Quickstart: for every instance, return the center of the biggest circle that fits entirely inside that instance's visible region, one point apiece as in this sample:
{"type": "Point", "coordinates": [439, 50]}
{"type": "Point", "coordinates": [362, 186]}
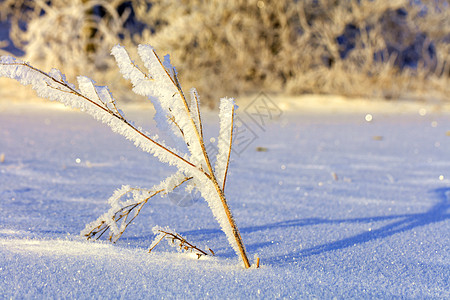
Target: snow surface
{"type": "Point", "coordinates": [334, 206]}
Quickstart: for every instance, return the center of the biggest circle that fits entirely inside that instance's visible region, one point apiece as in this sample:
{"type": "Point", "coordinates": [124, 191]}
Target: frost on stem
{"type": "Point", "coordinates": [174, 112]}
{"type": "Point", "coordinates": [226, 115]}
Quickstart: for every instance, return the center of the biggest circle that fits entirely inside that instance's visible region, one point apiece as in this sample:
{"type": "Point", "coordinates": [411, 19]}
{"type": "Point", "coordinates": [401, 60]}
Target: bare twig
{"type": "Point", "coordinates": [196, 106]}
{"type": "Point", "coordinates": [229, 149]}
{"type": "Point", "coordinates": [124, 212]}
{"type": "Point", "coordinates": [160, 239]}
{"type": "Point", "coordinates": [183, 244]}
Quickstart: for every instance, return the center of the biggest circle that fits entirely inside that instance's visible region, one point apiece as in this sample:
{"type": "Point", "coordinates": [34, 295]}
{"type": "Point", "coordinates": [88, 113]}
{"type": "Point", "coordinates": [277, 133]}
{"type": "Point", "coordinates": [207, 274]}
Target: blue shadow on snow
{"type": "Point", "coordinates": [404, 222]}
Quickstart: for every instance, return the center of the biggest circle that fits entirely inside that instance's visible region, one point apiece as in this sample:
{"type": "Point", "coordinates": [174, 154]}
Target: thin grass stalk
{"type": "Point", "coordinates": [229, 149]}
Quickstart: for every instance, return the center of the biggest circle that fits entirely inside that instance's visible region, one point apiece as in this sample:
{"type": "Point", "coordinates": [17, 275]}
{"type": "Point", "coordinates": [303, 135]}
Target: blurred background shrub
{"type": "Point", "coordinates": [357, 48]}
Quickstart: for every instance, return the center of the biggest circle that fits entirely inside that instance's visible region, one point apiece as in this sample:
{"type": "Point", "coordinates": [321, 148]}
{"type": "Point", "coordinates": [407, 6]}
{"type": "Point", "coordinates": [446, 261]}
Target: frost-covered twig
{"type": "Point", "coordinates": [174, 112]}
{"type": "Point", "coordinates": [122, 213]}
{"type": "Point", "coordinates": [119, 216]}
{"type": "Point", "coordinates": [226, 139]}
{"type": "Point", "coordinates": [176, 240]}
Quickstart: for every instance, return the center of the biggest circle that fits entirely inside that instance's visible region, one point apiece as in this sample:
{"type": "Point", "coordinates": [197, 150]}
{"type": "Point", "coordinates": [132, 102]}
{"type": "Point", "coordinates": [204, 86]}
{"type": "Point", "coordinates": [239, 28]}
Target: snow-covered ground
{"type": "Point", "coordinates": [334, 203]}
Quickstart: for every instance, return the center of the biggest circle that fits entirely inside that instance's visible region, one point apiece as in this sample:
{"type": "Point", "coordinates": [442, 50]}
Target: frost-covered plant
{"type": "Point", "coordinates": [175, 112]}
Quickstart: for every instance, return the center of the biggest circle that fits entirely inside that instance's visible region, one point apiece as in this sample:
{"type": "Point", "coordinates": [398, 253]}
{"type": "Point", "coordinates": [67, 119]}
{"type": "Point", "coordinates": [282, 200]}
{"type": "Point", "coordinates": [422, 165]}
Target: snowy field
{"type": "Point", "coordinates": [335, 204]}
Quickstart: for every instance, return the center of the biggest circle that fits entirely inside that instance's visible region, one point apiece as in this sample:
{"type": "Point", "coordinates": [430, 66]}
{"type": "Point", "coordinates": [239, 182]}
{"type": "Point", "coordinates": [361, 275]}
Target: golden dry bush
{"type": "Point", "coordinates": [357, 48]}
{"type": "Point", "coordinates": [365, 48]}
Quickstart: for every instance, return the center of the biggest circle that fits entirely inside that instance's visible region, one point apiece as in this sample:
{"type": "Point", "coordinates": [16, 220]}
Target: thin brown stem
{"type": "Point", "coordinates": [233, 225]}
{"type": "Point", "coordinates": [172, 119]}
{"type": "Point", "coordinates": [199, 119]}
{"type": "Point", "coordinates": [229, 150]}
{"type": "Point", "coordinates": [182, 241]}
{"type": "Point", "coordinates": [212, 176]}
{"type": "Point", "coordinates": [150, 250]}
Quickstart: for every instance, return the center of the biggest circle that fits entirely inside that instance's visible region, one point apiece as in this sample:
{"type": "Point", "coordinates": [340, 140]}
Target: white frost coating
{"type": "Point", "coordinates": [226, 114]}
{"type": "Point", "coordinates": [87, 88]}
{"type": "Point", "coordinates": [114, 200]}
{"type": "Point", "coordinates": [165, 96]}
{"type": "Point", "coordinates": [194, 108]}
{"type": "Point", "coordinates": [171, 182]}
{"type": "Point", "coordinates": [128, 69]}
{"type": "Point", "coordinates": [105, 96]}
{"type": "Point", "coordinates": [166, 126]}
{"type": "Point", "coordinates": [7, 59]}
{"type": "Point", "coordinates": [56, 74]}
{"type": "Point", "coordinates": [172, 101]}
{"type": "Point", "coordinates": [143, 84]}
{"type": "Point", "coordinates": [116, 205]}
{"type": "Point", "coordinates": [156, 68]}
{"type": "Point", "coordinates": [159, 236]}
{"type": "Point", "coordinates": [208, 192]}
